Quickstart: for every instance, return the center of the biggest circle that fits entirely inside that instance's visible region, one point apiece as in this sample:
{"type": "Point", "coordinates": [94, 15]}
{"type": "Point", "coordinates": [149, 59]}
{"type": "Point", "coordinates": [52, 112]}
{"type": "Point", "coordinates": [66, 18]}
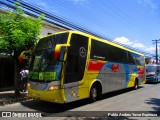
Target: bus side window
{"type": "Point", "coordinates": [131, 58]}
{"type": "Point", "coordinates": [72, 64]}
{"type": "Point", "coordinates": [76, 58]}
{"type": "Point", "coordinates": [72, 68]}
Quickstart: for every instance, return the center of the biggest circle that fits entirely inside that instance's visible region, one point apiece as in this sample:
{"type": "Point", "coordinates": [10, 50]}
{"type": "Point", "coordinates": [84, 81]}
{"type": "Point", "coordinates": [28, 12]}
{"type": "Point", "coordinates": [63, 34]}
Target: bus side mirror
{"type": "Point", "coordinates": [24, 54]}
{"type": "Point", "coordinates": [21, 56]}
{"type": "Point", "coordinates": [57, 50]}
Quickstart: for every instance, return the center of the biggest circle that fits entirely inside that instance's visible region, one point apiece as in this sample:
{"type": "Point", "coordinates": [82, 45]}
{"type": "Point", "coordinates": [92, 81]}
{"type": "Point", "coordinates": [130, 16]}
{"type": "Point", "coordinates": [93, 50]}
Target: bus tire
{"type": "Point", "coordinates": [136, 85]}
{"type": "Point", "coordinates": [93, 94]}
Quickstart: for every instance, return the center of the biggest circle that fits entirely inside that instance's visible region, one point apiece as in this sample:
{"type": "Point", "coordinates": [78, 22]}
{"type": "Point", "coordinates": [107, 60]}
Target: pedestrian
{"type": "Point", "coordinates": [24, 78]}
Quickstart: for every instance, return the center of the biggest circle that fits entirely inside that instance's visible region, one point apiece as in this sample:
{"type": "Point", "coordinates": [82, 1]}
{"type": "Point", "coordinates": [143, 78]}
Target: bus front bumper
{"type": "Point", "coordinates": [55, 96]}
{"type": "Point", "coordinates": [154, 80]}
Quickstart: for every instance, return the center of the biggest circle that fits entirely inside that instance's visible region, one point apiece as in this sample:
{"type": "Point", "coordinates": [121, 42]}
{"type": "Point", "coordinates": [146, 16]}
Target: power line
{"type": "Point", "coordinates": [85, 16]}
{"type": "Point", "coordinates": [54, 19]}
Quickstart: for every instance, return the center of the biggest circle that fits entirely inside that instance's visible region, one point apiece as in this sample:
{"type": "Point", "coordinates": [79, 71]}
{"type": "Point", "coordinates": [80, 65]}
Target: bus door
{"type": "Point", "coordinates": [75, 66]}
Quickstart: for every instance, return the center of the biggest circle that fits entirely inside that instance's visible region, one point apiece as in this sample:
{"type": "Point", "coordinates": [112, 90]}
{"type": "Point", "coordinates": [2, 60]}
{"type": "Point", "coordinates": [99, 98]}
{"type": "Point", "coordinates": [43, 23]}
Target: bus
{"type": "Point", "coordinates": [152, 73]}
{"type": "Point", "coordinates": [72, 65]}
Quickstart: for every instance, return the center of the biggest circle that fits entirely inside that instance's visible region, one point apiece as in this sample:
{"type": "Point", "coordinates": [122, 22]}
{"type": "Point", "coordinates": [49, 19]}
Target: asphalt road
{"type": "Point", "coordinates": [126, 103]}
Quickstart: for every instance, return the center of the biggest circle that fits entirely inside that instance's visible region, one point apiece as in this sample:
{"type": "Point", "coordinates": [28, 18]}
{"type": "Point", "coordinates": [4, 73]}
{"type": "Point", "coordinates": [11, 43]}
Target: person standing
{"type": "Point", "coordinates": [24, 78]}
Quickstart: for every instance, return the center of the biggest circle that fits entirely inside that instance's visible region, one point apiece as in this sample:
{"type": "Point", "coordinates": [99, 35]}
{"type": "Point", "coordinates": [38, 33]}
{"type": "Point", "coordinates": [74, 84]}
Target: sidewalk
{"type": "Point", "coordinates": [8, 97]}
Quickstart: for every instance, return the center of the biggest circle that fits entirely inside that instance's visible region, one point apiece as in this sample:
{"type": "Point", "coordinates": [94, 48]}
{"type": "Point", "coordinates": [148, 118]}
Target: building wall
{"type": "Point", "coordinates": [49, 29]}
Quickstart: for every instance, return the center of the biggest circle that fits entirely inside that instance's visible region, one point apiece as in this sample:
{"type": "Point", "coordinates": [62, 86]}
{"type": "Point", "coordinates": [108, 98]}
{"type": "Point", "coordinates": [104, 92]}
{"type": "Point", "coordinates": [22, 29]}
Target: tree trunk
{"type": "Point", "coordinates": [17, 93]}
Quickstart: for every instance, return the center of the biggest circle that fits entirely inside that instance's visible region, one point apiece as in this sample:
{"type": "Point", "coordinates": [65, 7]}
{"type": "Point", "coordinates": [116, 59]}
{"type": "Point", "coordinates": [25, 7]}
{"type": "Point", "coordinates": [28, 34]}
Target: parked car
{"type": "Point", "coordinates": [152, 73]}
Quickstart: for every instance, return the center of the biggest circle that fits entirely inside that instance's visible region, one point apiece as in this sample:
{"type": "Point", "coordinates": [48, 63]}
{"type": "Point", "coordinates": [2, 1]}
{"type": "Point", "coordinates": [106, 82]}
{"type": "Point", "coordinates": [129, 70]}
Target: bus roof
{"type": "Point", "coordinates": [99, 39]}
{"type": "Point", "coordinates": [107, 41]}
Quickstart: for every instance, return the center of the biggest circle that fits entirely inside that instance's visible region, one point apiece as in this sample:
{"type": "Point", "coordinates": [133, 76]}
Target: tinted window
{"type": "Point", "coordinates": [117, 55]}
{"type": "Point", "coordinates": [51, 41]}
{"type": "Point", "coordinates": [103, 51]}
{"type": "Point", "coordinates": [131, 58]}
{"type": "Point", "coordinates": [99, 50]}
{"type": "Point", "coordinates": [139, 60]}
{"type": "Point", "coordinates": [112, 54]}
{"type": "Point", "coordinates": [76, 58]}
{"type": "Point", "coordinates": [122, 55]}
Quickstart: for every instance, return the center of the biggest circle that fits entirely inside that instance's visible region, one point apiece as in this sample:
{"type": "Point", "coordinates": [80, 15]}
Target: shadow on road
{"type": "Point", "coordinates": [119, 92]}
{"type": "Point", "coordinates": [155, 102]}
{"type": "Point", "coordinates": [49, 109]}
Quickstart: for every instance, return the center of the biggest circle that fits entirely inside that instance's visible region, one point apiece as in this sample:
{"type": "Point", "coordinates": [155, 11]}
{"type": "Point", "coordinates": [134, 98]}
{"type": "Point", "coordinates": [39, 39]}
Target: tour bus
{"type": "Point", "coordinates": [72, 65]}
{"type": "Point", "coordinates": [152, 73]}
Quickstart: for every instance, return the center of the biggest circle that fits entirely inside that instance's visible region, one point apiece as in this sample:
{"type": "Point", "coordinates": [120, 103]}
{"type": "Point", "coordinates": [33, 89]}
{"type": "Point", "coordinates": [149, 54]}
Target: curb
{"type": "Point", "coordinates": [2, 103]}
{"type": "Point", "coordinates": [14, 100]}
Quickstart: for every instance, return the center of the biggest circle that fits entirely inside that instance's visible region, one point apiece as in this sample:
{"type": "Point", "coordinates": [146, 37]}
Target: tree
{"type": "Point", "coordinates": [18, 32]}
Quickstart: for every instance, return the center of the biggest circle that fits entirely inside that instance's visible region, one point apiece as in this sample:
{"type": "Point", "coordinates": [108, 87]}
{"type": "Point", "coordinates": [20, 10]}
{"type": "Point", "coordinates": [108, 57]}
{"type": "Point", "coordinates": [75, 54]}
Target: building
{"type": "Point", "coordinates": [50, 28]}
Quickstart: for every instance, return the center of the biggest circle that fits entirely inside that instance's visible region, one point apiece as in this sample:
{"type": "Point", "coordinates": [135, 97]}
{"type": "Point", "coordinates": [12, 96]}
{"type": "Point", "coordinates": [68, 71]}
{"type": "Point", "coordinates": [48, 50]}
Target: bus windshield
{"type": "Point", "coordinates": [151, 68]}
{"type": "Point", "coordinates": [43, 66]}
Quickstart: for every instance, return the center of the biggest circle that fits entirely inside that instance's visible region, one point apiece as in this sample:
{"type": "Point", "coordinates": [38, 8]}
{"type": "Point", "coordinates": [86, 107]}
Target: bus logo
{"type": "Point", "coordinates": [82, 52]}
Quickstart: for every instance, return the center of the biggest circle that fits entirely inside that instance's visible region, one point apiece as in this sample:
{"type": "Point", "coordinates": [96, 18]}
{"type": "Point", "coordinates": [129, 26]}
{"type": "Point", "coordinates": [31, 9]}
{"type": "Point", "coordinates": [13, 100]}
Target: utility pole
{"type": "Point", "coordinates": [156, 41]}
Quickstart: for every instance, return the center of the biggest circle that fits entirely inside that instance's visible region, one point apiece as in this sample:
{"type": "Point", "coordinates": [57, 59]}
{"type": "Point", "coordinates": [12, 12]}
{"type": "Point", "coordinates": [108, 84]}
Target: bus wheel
{"type": "Point", "coordinates": [93, 94]}
{"type": "Point", "coordinates": [136, 86]}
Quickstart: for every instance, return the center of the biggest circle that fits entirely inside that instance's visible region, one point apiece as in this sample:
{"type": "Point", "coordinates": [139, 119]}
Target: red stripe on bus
{"type": "Point", "coordinates": [95, 66]}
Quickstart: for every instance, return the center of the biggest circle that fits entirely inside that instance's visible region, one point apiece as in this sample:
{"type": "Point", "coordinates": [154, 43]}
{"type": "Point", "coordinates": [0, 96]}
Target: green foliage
{"type": "Point", "coordinates": [19, 32]}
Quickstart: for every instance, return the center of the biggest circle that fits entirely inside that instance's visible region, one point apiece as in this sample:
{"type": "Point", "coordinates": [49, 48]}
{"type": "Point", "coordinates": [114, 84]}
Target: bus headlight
{"type": "Point", "coordinates": [53, 87]}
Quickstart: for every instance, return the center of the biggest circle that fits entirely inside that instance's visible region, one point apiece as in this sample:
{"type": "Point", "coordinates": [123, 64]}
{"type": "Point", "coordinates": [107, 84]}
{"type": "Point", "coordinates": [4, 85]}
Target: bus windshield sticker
{"type": "Point", "coordinates": [42, 75]}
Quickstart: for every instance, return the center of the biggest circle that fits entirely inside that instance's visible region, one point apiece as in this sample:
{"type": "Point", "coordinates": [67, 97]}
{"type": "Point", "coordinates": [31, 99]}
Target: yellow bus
{"type": "Point", "coordinates": [72, 65]}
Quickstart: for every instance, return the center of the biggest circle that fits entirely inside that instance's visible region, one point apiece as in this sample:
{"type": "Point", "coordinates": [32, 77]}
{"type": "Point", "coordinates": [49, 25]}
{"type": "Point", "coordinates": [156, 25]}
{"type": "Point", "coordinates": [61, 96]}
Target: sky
{"type": "Point", "coordinates": [131, 22]}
